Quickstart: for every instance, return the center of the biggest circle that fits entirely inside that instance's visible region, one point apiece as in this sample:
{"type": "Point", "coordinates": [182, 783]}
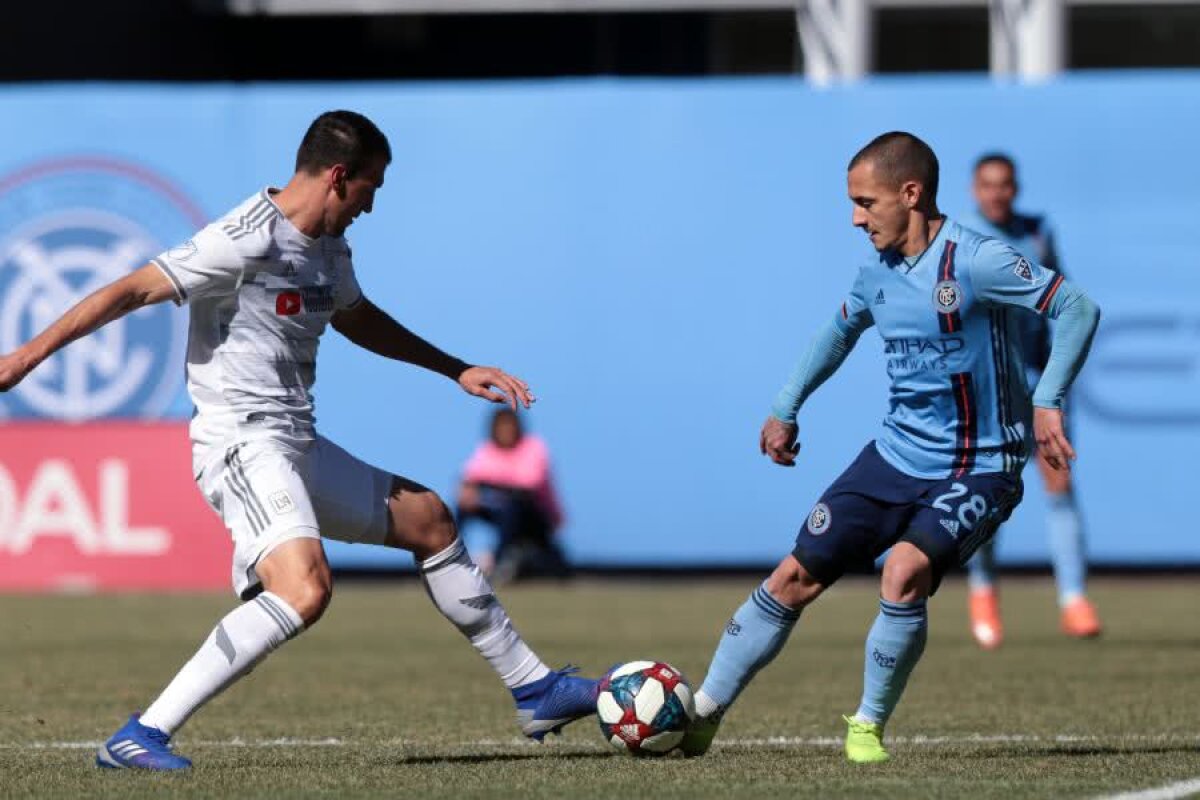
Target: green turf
{"type": "Point", "coordinates": [389, 701]}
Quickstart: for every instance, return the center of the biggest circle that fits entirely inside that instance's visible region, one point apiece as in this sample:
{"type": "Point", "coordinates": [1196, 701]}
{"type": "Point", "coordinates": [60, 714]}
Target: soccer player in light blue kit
{"type": "Point", "coordinates": [995, 189]}
{"type": "Point", "coordinates": [945, 470]}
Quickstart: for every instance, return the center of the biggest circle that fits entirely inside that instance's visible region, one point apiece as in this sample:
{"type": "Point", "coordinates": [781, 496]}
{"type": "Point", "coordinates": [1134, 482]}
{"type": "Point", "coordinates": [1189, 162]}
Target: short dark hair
{"type": "Point", "coordinates": [341, 137]}
{"type": "Point", "coordinates": [900, 157]}
{"type": "Point", "coordinates": [996, 157]}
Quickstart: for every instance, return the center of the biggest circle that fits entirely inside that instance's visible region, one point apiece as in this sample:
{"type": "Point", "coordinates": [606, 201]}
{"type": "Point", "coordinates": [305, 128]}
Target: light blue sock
{"type": "Point", "coordinates": [751, 640]}
{"type": "Point", "coordinates": [894, 647]}
{"type": "Point", "coordinates": [1065, 526]}
{"type": "Point", "coordinates": [981, 569]}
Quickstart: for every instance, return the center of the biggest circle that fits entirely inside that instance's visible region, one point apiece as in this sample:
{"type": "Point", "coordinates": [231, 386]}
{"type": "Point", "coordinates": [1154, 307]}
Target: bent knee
{"type": "Point", "coordinates": [310, 599]}
{"type": "Point", "coordinates": [792, 585]}
{"type": "Point", "coordinates": [907, 574]}
{"type": "Point", "coordinates": [421, 523]}
{"type": "Point", "coordinates": [308, 593]}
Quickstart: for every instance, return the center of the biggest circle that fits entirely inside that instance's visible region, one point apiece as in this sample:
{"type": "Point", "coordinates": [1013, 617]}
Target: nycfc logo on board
{"type": "Point", "coordinates": [819, 519]}
{"type": "Point", "coordinates": [67, 227]}
{"type": "Point", "coordinates": [947, 297]}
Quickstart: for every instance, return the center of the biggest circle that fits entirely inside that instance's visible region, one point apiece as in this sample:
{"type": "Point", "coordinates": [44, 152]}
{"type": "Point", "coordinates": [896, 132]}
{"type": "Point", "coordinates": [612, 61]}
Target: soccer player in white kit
{"type": "Point", "coordinates": [262, 284]}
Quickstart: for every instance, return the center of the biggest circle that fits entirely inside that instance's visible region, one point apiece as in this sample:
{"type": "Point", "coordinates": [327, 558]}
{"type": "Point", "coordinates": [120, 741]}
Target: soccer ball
{"type": "Point", "coordinates": [644, 707]}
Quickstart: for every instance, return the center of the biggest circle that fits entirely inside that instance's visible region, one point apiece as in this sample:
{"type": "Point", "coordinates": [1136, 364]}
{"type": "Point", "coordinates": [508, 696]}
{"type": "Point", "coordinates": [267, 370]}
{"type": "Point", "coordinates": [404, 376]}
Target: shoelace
{"type": "Point", "coordinates": [159, 737]}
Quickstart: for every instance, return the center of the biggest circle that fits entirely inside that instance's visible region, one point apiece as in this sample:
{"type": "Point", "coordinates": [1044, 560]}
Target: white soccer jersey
{"type": "Point", "coordinates": [261, 294]}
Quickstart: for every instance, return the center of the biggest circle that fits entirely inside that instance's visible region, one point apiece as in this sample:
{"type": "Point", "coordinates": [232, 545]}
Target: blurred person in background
{"type": "Point", "coordinates": [995, 189]}
{"type": "Point", "coordinates": [507, 485]}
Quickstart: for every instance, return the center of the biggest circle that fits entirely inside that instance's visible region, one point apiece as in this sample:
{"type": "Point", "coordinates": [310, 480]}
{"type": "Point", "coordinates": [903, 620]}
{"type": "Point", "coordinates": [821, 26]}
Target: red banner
{"type": "Point", "coordinates": [105, 505]}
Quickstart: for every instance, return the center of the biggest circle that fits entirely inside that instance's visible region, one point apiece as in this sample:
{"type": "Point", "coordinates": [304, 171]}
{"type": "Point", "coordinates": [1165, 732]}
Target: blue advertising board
{"type": "Point", "coordinates": [652, 256]}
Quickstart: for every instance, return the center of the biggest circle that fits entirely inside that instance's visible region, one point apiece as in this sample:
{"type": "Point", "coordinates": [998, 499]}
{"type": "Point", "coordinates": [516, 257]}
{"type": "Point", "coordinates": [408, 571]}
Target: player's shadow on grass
{"type": "Point", "coordinates": [1090, 751]}
{"type": "Point", "coordinates": [495, 758]}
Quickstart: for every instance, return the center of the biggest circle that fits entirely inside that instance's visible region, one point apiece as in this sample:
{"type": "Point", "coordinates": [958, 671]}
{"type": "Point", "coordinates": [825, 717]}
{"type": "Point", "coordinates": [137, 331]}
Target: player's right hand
{"type": "Point", "coordinates": [13, 369]}
{"type": "Point", "coordinates": [778, 442]}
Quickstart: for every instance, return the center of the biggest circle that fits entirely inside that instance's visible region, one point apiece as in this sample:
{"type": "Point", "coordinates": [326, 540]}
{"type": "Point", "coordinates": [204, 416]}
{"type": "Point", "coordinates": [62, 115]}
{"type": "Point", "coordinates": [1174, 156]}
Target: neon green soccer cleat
{"type": "Point", "coordinates": [699, 736]}
{"type": "Point", "coordinates": [864, 742]}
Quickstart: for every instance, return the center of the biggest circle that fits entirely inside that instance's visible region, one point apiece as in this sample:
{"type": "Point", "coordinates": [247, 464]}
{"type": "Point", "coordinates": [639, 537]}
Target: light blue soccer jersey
{"type": "Point", "coordinates": [959, 403]}
{"type": "Point", "coordinates": [1031, 236]}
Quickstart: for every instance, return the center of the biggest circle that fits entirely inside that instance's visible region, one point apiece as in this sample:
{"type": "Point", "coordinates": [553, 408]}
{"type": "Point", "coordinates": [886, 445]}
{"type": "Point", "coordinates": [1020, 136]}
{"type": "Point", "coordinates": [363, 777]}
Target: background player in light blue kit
{"type": "Point", "coordinates": [995, 189]}
{"type": "Point", "coordinates": [946, 469]}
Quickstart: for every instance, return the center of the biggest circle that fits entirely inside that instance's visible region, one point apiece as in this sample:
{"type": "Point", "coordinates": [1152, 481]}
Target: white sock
{"type": "Point", "coordinates": [242, 639]}
{"type": "Point", "coordinates": [465, 597]}
{"type": "Point", "coordinates": [705, 705]}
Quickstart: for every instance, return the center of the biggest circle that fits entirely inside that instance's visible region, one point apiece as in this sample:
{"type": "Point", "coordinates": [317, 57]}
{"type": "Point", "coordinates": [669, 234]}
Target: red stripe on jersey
{"type": "Point", "coordinates": [1044, 303]}
{"type": "Point", "coordinates": [966, 433]}
{"type": "Point", "coordinates": [948, 260]}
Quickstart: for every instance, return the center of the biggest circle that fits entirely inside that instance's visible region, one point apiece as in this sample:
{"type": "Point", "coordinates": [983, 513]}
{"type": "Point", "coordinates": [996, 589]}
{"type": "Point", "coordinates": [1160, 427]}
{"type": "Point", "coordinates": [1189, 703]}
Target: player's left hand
{"type": "Point", "coordinates": [1052, 439]}
{"type": "Point", "coordinates": [485, 381]}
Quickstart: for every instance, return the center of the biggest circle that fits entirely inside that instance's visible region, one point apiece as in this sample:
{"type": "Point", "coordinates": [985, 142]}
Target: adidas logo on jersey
{"type": "Point", "coordinates": [879, 299]}
{"type": "Point", "coordinates": [951, 525]}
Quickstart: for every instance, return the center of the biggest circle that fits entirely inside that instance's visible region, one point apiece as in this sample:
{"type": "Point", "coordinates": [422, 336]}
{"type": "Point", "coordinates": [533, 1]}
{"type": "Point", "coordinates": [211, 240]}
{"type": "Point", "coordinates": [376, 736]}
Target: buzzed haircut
{"type": "Point", "coordinates": [900, 157]}
{"type": "Point", "coordinates": [341, 137]}
{"type": "Point", "coordinates": [996, 157]}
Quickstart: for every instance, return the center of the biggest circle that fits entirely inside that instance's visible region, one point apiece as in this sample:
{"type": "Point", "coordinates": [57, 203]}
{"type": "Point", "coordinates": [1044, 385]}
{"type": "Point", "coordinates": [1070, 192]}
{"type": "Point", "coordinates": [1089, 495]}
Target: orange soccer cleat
{"type": "Point", "coordinates": [1079, 619]}
{"type": "Point", "coordinates": [985, 618]}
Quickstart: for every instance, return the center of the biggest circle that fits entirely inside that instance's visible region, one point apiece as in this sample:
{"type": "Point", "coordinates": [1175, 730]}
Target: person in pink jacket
{"type": "Point", "coordinates": [507, 484]}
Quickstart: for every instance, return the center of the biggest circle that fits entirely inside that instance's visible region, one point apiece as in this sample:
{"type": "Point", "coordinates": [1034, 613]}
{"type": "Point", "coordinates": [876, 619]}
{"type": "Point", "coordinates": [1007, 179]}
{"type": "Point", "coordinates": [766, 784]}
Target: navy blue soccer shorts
{"type": "Point", "coordinates": [872, 506]}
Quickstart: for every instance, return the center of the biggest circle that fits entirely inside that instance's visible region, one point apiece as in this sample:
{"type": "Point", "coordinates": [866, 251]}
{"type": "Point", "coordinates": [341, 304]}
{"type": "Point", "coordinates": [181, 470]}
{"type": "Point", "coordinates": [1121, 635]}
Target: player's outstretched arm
{"type": "Point", "coordinates": [145, 286]}
{"type": "Point", "coordinates": [371, 328]}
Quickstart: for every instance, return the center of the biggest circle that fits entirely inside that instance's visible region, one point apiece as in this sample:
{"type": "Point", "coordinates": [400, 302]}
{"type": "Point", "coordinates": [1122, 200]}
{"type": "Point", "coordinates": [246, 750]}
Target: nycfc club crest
{"type": "Point", "coordinates": [947, 297]}
{"type": "Point", "coordinates": [819, 519]}
{"type": "Point", "coordinates": [68, 227]}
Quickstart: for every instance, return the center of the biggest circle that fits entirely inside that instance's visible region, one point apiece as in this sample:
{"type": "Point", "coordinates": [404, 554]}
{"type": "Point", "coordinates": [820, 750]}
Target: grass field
{"type": "Point", "coordinates": [383, 698]}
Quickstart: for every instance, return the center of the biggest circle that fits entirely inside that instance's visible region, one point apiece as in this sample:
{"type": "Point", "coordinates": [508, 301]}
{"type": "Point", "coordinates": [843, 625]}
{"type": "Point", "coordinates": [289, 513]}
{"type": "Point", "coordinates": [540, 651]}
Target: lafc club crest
{"type": "Point", "coordinates": [819, 519]}
{"type": "Point", "coordinates": [947, 297]}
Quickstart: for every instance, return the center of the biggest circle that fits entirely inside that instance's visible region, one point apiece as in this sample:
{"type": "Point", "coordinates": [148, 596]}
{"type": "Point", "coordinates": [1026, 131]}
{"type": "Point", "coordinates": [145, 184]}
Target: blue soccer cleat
{"type": "Point", "coordinates": [549, 704]}
{"type": "Point", "coordinates": [137, 746]}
